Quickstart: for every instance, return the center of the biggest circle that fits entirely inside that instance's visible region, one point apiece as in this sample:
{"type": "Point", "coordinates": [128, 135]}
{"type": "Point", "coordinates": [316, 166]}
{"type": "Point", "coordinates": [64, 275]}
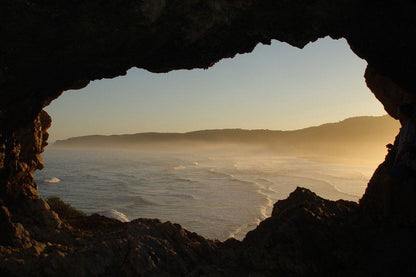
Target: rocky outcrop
{"type": "Point", "coordinates": [302, 237]}
{"type": "Point", "coordinates": [49, 47]}
{"type": "Point", "coordinates": [107, 247]}
{"type": "Point", "coordinates": [310, 236]}
{"type": "Point", "coordinates": [20, 156]}
{"type": "Point", "coordinates": [388, 92]}
{"type": "Point", "coordinates": [305, 236]}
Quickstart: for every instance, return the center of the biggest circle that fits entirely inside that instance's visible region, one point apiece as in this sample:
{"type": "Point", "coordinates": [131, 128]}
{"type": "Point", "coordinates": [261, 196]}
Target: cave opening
{"type": "Point", "coordinates": [276, 87]}
{"type": "Point", "coordinates": [48, 48]}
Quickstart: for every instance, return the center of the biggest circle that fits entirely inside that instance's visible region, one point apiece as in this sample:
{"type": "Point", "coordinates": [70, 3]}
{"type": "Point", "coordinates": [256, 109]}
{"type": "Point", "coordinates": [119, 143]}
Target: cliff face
{"type": "Point", "coordinates": [48, 47]}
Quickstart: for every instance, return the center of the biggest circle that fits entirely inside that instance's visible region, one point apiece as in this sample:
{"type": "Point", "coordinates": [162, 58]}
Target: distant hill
{"type": "Point", "coordinates": [359, 137]}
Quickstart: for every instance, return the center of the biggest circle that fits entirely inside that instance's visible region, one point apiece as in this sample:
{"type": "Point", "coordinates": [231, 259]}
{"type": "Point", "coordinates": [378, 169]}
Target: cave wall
{"type": "Point", "coordinates": [20, 156]}
{"type": "Point", "coordinates": [387, 91]}
{"type": "Point", "coordinates": [49, 47]}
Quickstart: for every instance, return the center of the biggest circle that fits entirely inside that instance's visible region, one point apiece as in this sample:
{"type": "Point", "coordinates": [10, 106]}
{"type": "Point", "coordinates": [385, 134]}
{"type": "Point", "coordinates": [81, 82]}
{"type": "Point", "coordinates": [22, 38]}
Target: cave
{"type": "Point", "coordinates": [50, 47]}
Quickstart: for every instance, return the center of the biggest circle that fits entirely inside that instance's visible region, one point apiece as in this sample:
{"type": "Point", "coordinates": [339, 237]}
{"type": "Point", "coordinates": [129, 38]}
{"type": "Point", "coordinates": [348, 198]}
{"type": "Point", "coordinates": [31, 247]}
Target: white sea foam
{"type": "Point", "coordinates": [221, 174]}
{"type": "Point", "coordinates": [228, 195]}
{"type": "Point", "coordinates": [330, 185]}
{"type": "Point", "coordinates": [264, 210]}
{"type": "Point", "coordinates": [236, 232]}
{"type": "Point", "coordinates": [115, 214]}
{"type": "Point", "coordinates": [52, 180]}
{"type": "Point", "coordinates": [241, 231]}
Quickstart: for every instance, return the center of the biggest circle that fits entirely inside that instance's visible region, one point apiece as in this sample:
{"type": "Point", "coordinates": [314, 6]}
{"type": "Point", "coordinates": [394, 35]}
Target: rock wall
{"type": "Point", "coordinates": [20, 156]}
{"type": "Point", "coordinates": [388, 92]}
{"type": "Point", "coordinates": [52, 46]}
{"type": "Point", "coordinates": [48, 48]}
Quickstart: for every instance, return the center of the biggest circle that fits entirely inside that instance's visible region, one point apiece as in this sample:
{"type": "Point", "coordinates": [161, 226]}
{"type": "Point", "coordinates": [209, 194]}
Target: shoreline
{"type": "Point", "coordinates": [338, 160]}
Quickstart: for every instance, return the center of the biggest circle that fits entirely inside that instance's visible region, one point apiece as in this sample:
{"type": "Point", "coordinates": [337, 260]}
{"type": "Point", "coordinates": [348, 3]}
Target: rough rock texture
{"type": "Point", "coordinates": [48, 47]}
{"type": "Point", "coordinates": [310, 236]}
{"type": "Point", "coordinates": [301, 237]}
{"type": "Point", "coordinates": [305, 236]}
{"type": "Point", "coordinates": [20, 151]}
{"type": "Point", "coordinates": [51, 46]}
{"type": "Point", "coordinates": [388, 92]}
{"type": "Point", "coordinates": [103, 246]}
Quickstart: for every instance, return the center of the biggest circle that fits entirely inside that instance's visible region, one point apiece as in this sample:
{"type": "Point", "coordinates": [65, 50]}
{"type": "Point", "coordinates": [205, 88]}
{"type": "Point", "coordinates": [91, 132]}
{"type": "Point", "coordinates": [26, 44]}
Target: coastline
{"type": "Point", "coordinates": [352, 160]}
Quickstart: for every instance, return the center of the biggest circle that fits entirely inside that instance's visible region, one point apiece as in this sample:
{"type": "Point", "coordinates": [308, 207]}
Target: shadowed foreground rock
{"type": "Point", "coordinates": [305, 236]}
{"type": "Point", "coordinates": [309, 236]}
{"type": "Point", "coordinates": [50, 46]}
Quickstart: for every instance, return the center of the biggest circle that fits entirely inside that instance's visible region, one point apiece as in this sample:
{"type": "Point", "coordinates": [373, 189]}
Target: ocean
{"type": "Point", "coordinates": [214, 192]}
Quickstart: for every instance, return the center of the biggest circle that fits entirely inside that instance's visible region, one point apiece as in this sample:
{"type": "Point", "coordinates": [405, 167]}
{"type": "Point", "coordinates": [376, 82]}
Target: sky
{"type": "Point", "coordinates": [277, 87]}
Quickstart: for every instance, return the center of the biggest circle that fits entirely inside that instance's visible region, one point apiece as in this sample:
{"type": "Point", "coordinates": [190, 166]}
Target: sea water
{"type": "Point", "coordinates": [216, 193]}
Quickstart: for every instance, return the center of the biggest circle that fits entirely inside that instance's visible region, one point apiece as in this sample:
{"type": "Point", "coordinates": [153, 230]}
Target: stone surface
{"type": "Point", "coordinates": [302, 236]}
{"type": "Point", "coordinates": [305, 236]}
{"type": "Point", "coordinates": [49, 47]}
{"type": "Point", "coordinates": [102, 246]}
{"type": "Point", "coordinates": [20, 157]}
{"type": "Point", "coordinates": [388, 92]}
{"type": "Point", "coordinates": [310, 236]}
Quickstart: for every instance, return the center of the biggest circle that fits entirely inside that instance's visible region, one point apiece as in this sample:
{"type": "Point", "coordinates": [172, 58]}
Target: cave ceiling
{"type": "Point", "coordinates": [48, 47]}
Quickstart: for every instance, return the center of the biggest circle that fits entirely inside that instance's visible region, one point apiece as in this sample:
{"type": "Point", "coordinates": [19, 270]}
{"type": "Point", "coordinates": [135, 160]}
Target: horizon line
{"type": "Point", "coordinates": [217, 129]}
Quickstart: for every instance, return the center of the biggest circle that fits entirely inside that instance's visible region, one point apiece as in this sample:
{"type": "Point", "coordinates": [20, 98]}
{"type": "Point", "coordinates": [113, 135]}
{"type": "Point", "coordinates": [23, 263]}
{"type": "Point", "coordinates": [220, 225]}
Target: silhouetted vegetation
{"type": "Point", "coordinates": [65, 211]}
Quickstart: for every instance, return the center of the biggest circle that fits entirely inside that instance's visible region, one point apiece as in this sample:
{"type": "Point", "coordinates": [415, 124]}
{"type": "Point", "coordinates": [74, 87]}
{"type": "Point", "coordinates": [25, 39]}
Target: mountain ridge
{"type": "Point", "coordinates": [352, 140]}
{"type": "Point", "coordinates": [211, 135]}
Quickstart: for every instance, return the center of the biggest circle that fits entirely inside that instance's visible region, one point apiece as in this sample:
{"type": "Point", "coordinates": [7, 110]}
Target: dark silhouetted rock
{"type": "Point", "coordinates": [49, 46]}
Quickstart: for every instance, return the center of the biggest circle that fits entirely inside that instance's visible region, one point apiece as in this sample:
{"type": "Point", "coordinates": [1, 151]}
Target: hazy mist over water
{"type": "Point", "coordinates": [217, 193]}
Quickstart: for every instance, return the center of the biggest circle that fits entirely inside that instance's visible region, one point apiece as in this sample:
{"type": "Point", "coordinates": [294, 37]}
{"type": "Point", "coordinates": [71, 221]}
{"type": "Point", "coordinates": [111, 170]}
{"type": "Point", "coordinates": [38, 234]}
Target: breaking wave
{"type": "Point", "coordinates": [52, 180]}
{"type": "Point", "coordinates": [114, 214]}
{"type": "Point", "coordinates": [217, 197]}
